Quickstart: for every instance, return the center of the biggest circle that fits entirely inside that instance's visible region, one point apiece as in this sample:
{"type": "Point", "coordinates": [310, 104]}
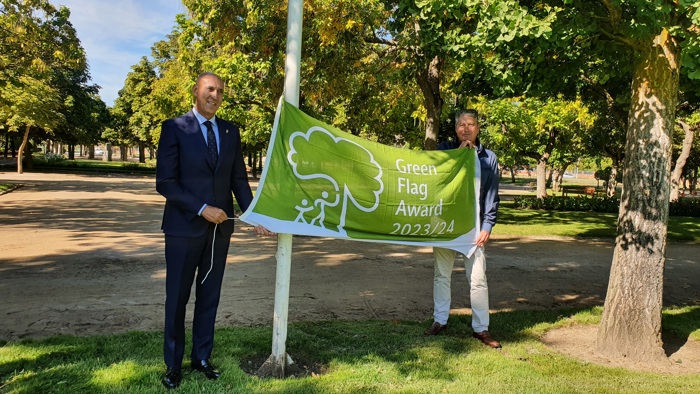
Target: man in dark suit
{"type": "Point", "coordinates": [199, 169]}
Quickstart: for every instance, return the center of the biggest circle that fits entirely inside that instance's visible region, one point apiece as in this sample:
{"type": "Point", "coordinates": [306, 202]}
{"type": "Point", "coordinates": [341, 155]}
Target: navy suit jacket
{"type": "Point", "coordinates": [187, 178]}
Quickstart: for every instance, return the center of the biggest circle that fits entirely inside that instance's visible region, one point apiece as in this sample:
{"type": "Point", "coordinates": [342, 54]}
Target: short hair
{"type": "Point", "coordinates": [202, 75]}
{"type": "Point", "coordinates": [205, 74]}
{"type": "Point", "coordinates": [469, 112]}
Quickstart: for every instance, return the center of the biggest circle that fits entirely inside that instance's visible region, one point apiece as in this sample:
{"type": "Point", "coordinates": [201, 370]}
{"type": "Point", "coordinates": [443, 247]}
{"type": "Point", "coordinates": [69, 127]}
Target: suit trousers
{"type": "Point", "coordinates": [185, 257]}
{"type": "Point", "coordinates": [478, 287]}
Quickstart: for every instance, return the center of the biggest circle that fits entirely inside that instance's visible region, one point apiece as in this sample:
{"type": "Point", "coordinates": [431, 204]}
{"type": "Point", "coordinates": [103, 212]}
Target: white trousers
{"type": "Point", "coordinates": [478, 287]}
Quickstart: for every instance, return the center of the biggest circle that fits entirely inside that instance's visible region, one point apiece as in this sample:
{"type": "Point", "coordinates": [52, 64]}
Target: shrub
{"type": "Point", "coordinates": [682, 207]}
{"type": "Point", "coordinates": [685, 207]}
{"type": "Point", "coordinates": [50, 158]}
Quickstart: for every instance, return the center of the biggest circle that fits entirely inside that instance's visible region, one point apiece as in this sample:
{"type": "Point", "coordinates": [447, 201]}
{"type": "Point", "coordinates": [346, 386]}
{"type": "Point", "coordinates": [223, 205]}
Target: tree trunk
{"type": "Point", "coordinates": [7, 143]}
{"type": "Point", "coordinates": [20, 154]}
{"type": "Point", "coordinates": [631, 322]}
{"type": "Point", "coordinates": [612, 182]}
{"type": "Point", "coordinates": [107, 155]}
{"type": "Point", "coordinates": [142, 153]}
{"type": "Point", "coordinates": [429, 82]}
{"type": "Point", "coordinates": [71, 151]}
{"type": "Point", "coordinates": [557, 176]}
{"type": "Point", "coordinates": [254, 165]}
{"type": "Point", "coordinates": [28, 160]}
{"type": "Point", "coordinates": [123, 153]}
{"type": "Point", "coordinates": [542, 176]}
{"type": "Point", "coordinates": [692, 179]}
{"type": "Point", "coordinates": [12, 147]}
{"type": "Point", "coordinates": [680, 162]}
{"type": "Point", "coordinates": [542, 161]}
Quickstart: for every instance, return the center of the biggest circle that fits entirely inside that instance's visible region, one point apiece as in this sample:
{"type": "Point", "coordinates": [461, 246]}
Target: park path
{"type": "Point", "coordinates": [83, 255]}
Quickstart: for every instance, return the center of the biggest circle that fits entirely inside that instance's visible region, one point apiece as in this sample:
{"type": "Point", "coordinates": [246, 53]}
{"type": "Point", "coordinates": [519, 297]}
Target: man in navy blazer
{"type": "Point", "coordinates": [199, 170]}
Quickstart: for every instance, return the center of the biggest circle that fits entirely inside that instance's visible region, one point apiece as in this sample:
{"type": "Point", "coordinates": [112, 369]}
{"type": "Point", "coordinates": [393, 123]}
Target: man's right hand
{"type": "Point", "coordinates": [466, 144]}
{"type": "Point", "coordinates": [214, 214]}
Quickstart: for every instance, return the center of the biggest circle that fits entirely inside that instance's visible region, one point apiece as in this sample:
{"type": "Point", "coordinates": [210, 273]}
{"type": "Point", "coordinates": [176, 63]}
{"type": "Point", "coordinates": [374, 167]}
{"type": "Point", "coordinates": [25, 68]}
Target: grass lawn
{"type": "Point", "coordinates": [356, 357]}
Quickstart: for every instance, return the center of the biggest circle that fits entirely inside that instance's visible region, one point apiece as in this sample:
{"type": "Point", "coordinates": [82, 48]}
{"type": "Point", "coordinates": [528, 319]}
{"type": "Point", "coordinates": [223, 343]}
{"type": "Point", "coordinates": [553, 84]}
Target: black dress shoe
{"type": "Point", "coordinates": [207, 368]}
{"type": "Point", "coordinates": [172, 378]}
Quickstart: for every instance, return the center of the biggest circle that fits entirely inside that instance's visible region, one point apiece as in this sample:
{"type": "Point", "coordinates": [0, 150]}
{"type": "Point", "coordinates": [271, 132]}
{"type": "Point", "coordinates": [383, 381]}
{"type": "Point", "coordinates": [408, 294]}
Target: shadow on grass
{"type": "Point", "coordinates": [133, 362]}
{"type": "Point", "coordinates": [677, 328]}
{"type": "Point", "coordinates": [334, 356]}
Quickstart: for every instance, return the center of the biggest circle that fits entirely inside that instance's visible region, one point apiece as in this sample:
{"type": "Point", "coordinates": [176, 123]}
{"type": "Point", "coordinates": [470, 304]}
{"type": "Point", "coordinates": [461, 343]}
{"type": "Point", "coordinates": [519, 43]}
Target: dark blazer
{"type": "Point", "coordinates": [187, 178]}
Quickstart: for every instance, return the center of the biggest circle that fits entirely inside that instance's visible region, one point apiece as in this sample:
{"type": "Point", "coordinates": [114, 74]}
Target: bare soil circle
{"type": "Point", "coordinates": [83, 255]}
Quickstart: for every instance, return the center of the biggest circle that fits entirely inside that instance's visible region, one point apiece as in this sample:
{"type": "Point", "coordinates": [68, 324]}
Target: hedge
{"type": "Point", "coordinates": [682, 207]}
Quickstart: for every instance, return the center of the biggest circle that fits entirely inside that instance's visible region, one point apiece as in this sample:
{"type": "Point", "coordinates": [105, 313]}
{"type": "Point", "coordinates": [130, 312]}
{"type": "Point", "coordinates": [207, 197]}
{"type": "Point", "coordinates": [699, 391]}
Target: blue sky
{"type": "Point", "coordinates": [117, 33]}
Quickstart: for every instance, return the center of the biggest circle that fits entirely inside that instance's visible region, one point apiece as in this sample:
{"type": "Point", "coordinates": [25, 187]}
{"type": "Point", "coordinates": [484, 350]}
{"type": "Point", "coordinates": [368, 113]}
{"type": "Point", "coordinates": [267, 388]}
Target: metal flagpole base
{"type": "Point", "coordinates": [277, 367]}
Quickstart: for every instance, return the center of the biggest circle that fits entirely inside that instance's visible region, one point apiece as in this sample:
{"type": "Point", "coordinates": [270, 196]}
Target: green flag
{"type": "Point", "coordinates": [321, 181]}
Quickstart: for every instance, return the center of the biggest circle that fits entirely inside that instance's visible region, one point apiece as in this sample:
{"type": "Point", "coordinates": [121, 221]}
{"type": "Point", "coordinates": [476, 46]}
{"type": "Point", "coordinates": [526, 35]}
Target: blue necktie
{"type": "Point", "coordinates": [211, 142]}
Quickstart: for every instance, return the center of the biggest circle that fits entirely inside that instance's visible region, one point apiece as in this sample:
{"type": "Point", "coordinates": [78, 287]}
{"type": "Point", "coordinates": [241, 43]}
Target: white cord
{"type": "Point", "coordinates": [213, 240]}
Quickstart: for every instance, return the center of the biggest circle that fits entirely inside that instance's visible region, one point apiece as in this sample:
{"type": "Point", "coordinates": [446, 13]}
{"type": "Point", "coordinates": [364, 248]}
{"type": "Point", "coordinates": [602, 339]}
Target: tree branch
{"type": "Point", "coordinates": [374, 39]}
{"type": "Point", "coordinates": [610, 101]}
{"type": "Point", "coordinates": [254, 102]}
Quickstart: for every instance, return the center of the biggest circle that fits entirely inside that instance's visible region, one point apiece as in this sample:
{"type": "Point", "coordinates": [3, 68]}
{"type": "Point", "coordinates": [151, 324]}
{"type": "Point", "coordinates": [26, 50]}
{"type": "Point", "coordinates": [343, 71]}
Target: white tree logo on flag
{"type": "Point", "coordinates": [305, 165]}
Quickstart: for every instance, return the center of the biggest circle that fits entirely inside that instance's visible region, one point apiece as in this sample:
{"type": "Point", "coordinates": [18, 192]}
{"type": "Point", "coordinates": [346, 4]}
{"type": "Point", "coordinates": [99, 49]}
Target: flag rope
{"type": "Point", "coordinates": [213, 240]}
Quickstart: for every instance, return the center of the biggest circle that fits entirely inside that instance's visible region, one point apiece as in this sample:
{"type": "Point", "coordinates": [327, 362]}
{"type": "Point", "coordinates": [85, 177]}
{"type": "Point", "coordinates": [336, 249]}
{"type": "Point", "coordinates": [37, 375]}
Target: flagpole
{"type": "Point", "coordinates": [279, 359]}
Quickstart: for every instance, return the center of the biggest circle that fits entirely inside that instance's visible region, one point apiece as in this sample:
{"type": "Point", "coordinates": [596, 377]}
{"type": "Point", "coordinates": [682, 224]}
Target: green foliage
{"type": "Point", "coordinates": [30, 102]}
{"type": "Point", "coordinates": [44, 74]}
{"type": "Point", "coordinates": [604, 174]}
{"type": "Point", "coordinates": [136, 118]}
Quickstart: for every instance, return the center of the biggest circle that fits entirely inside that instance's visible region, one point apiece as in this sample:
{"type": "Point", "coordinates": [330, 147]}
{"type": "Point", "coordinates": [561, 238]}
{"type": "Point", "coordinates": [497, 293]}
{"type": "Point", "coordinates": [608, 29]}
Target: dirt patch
{"type": "Point", "coordinates": [300, 368]}
{"type": "Point", "coordinates": [83, 255]}
{"type": "Point", "coordinates": [579, 342]}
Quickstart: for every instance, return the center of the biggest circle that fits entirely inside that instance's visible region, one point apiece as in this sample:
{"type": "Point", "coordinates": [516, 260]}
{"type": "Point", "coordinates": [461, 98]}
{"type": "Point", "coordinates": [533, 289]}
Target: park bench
{"type": "Point", "coordinates": [584, 190]}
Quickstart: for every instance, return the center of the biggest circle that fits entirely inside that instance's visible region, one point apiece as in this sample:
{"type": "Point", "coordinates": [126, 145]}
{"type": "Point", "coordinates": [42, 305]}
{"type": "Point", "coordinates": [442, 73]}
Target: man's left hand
{"type": "Point", "coordinates": [483, 238]}
{"type": "Point", "coordinates": [260, 230]}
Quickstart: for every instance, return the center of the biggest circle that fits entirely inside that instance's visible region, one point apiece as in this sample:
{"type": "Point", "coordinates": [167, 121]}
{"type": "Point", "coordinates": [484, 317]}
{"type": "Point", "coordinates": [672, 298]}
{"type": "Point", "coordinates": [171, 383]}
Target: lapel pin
{"type": "Point", "coordinates": [226, 131]}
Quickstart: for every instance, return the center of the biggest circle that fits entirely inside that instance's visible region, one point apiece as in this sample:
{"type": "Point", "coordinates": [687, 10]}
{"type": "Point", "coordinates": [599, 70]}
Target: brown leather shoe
{"type": "Point", "coordinates": [435, 329]}
{"type": "Point", "coordinates": [485, 337]}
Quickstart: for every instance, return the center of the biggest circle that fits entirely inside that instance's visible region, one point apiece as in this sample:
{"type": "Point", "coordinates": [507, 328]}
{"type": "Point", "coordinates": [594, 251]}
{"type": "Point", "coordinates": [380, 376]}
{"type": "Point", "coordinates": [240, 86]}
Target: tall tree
{"type": "Point", "coordinates": [344, 82]}
{"type": "Point", "coordinates": [136, 117]}
{"type": "Point", "coordinates": [435, 36]}
{"type": "Point", "coordinates": [83, 112]}
{"type": "Point", "coordinates": [658, 37]}
{"type": "Point", "coordinates": [548, 131]}
{"type": "Point", "coordinates": [39, 47]}
{"type": "Point", "coordinates": [654, 38]}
